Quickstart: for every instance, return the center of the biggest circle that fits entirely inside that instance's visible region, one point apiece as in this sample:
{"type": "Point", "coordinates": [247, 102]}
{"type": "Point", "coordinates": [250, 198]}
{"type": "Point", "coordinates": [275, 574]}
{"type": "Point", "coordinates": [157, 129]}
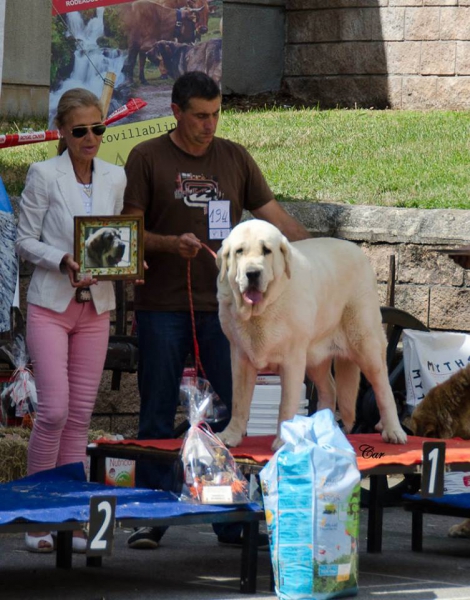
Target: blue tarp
{"type": "Point", "coordinates": [454, 500]}
{"type": "Point", "coordinates": [63, 494]}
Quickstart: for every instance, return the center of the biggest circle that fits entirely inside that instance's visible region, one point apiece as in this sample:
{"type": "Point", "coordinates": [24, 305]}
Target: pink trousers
{"type": "Point", "coordinates": [68, 351]}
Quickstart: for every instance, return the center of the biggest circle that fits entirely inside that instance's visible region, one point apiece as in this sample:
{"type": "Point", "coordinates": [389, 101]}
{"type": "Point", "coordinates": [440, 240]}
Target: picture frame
{"type": "Point", "coordinates": [109, 247]}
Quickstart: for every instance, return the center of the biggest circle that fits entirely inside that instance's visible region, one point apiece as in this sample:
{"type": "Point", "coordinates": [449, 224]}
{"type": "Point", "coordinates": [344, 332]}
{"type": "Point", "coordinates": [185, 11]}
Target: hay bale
{"type": "Point", "coordinates": [14, 451]}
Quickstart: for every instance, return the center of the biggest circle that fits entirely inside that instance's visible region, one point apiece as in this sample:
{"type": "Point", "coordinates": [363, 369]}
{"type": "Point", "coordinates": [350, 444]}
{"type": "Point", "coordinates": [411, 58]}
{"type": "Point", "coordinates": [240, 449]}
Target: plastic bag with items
{"type": "Point", "coordinates": [210, 473]}
{"type": "Point", "coordinates": [311, 494]}
{"type": "Point", "coordinates": [19, 397]}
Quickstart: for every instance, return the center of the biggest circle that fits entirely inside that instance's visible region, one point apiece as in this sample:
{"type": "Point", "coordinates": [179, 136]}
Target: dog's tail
{"type": "Point", "coordinates": [347, 377]}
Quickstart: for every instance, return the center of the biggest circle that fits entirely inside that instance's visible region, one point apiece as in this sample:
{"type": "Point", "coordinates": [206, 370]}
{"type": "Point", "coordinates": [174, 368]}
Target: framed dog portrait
{"type": "Point", "coordinates": [109, 247]}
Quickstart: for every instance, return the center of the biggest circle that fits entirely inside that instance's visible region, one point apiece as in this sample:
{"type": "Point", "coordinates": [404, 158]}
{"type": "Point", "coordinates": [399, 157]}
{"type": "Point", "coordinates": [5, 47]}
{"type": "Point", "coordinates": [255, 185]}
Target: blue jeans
{"type": "Point", "coordinates": [165, 340]}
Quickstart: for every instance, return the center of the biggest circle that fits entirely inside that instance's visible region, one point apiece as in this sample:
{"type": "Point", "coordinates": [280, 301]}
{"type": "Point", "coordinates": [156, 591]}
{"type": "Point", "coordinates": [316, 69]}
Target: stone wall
{"type": "Point", "coordinates": [411, 54]}
{"type": "Point", "coordinates": [427, 285]}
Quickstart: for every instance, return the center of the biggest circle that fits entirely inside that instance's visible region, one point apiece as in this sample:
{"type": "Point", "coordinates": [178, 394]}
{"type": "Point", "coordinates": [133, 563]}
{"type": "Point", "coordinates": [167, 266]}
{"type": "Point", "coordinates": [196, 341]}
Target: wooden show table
{"type": "Point", "coordinates": [375, 459]}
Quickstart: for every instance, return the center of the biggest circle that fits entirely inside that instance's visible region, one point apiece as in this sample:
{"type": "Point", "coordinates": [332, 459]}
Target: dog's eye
{"type": "Point", "coordinates": [239, 251]}
{"type": "Point", "coordinates": [266, 250]}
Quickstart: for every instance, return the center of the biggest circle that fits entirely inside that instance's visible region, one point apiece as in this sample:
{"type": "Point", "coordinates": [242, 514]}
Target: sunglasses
{"type": "Point", "coordinates": [81, 130]}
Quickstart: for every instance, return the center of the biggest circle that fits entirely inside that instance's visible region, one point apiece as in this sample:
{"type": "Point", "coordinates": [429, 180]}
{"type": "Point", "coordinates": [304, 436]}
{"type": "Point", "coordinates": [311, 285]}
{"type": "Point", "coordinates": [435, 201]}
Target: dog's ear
{"type": "Point", "coordinates": [96, 245]}
{"type": "Point", "coordinates": [222, 259]}
{"type": "Point", "coordinates": [287, 254]}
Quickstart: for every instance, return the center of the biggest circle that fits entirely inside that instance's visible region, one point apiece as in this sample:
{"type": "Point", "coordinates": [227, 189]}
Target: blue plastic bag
{"type": "Point", "coordinates": [311, 493]}
{"type": "Point", "coordinates": [8, 259]}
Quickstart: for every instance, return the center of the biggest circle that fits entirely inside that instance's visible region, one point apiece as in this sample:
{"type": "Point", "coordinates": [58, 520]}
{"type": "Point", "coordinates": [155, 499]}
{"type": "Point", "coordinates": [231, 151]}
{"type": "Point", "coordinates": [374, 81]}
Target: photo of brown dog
{"type": "Point", "coordinates": [445, 411]}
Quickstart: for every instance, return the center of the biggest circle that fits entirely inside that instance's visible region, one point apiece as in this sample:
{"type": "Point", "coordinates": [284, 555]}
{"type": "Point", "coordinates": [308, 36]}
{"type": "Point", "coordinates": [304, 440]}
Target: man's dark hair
{"type": "Point", "coordinates": [194, 84]}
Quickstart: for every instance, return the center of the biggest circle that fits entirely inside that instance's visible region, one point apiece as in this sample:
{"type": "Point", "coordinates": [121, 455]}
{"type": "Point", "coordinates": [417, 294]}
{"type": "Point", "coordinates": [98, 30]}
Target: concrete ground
{"type": "Point", "coordinates": [190, 565]}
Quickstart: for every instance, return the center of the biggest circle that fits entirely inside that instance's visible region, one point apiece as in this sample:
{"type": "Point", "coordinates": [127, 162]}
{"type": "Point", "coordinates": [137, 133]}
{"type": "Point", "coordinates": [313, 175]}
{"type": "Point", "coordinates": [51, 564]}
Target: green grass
{"type": "Point", "coordinates": [14, 162]}
{"type": "Point", "coordinates": [381, 158]}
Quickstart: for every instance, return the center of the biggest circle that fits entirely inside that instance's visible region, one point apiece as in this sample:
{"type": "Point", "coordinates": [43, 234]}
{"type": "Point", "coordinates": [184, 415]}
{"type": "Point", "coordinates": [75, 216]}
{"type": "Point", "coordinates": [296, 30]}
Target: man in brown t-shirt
{"type": "Point", "coordinates": [191, 187]}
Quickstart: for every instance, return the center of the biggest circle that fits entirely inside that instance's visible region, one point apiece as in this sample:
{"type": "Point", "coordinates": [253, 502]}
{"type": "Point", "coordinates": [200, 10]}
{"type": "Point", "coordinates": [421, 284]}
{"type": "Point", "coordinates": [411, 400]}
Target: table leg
{"type": "Point", "coordinates": [417, 531]}
{"type": "Point", "coordinates": [249, 566]}
{"type": "Point", "coordinates": [378, 484]}
{"type": "Point", "coordinates": [98, 469]}
{"type": "Point", "coordinates": [64, 550]}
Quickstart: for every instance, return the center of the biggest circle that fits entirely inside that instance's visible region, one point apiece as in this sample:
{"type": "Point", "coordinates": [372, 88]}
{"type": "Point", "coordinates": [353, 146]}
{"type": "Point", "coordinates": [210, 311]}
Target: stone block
{"type": "Point", "coordinates": [379, 257]}
{"type": "Point", "coordinates": [463, 58]}
{"type": "Point", "coordinates": [422, 24]}
{"type": "Point", "coordinates": [453, 93]}
{"type": "Point", "coordinates": [403, 58]}
{"type": "Point", "coordinates": [126, 399]}
{"type": "Point", "coordinates": [302, 27]}
{"type": "Point", "coordinates": [449, 308]}
{"type": "Point", "coordinates": [395, 91]}
{"type": "Point", "coordinates": [455, 23]}
{"type": "Point", "coordinates": [382, 292]}
{"type": "Point", "coordinates": [393, 3]}
{"type": "Point", "coordinates": [331, 4]}
{"type": "Point", "coordinates": [356, 24]}
{"type": "Point", "coordinates": [125, 425]}
{"type": "Point", "coordinates": [441, 2]}
{"type": "Point", "coordinates": [422, 265]}
{"type": "Point", "coordinates": [101, 423]}
{"type": "Point", "coordinates": [414, 300]}
{"type": "Point", "coordinates": [347, 58]}
{"type": "Point", "coordinates": [438, 58]}
{"type": "Point", "coordinates": [333, 92]}
{"type": "Point", "coordinates": [388, 25]}
{"type": "Point", "coordinates": [419, 92]}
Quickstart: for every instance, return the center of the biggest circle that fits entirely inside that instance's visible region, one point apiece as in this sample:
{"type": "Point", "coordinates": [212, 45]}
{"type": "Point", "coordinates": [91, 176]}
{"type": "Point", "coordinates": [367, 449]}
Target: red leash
{"type": "Point", "coordinates": [197, 358]}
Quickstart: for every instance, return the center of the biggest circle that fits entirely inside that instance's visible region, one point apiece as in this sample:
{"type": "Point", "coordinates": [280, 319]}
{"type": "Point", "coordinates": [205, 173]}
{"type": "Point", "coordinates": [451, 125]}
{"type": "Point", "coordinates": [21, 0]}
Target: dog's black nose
{"type": "Point", "coordinates": [253, 276]}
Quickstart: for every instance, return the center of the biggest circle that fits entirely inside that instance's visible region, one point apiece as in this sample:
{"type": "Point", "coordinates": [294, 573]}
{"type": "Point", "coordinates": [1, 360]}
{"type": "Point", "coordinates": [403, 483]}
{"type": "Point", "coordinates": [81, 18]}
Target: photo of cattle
{"type": "Point", "coordinates": [146, 44]}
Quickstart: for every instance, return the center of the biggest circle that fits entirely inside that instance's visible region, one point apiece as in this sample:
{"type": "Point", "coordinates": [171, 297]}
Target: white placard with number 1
{"type": "Point", "coordinates": [219, 219]}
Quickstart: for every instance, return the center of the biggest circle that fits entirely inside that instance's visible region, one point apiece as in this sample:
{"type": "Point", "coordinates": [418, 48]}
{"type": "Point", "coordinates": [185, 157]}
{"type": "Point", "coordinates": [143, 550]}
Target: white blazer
{"type": "Point", "coordinates": [50, 200]}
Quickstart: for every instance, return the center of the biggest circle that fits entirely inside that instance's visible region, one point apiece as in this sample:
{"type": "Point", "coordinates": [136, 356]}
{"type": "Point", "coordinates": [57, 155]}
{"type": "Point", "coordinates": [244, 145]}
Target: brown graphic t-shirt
{"type": "Point", "coordinates": [174, 188]}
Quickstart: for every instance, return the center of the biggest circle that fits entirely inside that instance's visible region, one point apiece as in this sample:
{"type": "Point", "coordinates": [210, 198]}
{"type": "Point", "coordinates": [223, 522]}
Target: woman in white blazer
{"type": "Point", "coordinates": [67, 322]}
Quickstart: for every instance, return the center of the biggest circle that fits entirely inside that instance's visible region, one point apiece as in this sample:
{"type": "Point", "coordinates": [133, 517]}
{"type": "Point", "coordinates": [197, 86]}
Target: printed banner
{"type": "Point", "coordinates": [121, 50]}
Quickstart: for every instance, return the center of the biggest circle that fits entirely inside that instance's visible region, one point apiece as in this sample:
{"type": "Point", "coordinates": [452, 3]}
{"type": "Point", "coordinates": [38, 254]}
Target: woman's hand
{"type": "Point", "coordinates": [72, 268]}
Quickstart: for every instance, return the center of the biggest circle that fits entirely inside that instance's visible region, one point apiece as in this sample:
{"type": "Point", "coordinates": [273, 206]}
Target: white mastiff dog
{"type": "Point", "coordinates": [293, 309]}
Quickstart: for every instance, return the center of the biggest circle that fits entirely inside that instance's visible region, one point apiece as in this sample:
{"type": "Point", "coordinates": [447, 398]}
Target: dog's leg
{"type": "Point", "coordinates": [292, 377]}
{"type": "Point", "coordinates": [347, 376]}
{"type": "Point", "coordinates": [324, 384]}
{"type": "Point", "coordinates": [372, 364]}
{"type": "Point", "coordinates": [244, 380]}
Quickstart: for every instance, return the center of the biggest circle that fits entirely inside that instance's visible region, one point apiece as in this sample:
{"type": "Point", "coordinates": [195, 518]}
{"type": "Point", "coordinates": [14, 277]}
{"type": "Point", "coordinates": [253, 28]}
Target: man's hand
{"type": "Point", "coordinates": [188, 245]}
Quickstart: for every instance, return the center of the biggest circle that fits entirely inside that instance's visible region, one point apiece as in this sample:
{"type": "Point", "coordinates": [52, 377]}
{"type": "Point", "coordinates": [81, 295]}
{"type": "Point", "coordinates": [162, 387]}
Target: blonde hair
{"type": "Point", "coordinates": [69, 101]}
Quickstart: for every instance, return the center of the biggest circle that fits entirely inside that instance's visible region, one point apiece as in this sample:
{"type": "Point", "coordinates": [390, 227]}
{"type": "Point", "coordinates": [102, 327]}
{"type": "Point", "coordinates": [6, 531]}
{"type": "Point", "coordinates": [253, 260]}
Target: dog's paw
{"type": "Point", "coordinates": [392, 434]}
{"type": "Point", "coordinates": [461, 530]}
{"type": "Point", "coordinates": [230, 437]}
{"type": "Point", "coordinates": [278, 442]}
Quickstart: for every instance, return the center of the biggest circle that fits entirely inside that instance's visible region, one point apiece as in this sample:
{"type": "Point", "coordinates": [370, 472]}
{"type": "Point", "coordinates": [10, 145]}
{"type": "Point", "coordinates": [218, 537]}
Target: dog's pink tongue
{"type": "Point", "coordinates": [252, 296]}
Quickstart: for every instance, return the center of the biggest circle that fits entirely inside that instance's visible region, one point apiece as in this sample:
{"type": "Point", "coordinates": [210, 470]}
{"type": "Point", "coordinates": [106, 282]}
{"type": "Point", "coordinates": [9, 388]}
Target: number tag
{"type": "Point", "coordinates": [102, 521]}
{"type": "Point", "coordinates": [219, 219]}
{"type": "Point", "coordinates": [432, 479]}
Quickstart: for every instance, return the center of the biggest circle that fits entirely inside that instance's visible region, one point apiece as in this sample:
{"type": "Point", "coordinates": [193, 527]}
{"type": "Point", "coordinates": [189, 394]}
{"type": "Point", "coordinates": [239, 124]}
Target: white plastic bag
{"type": "Point", "coordinates": [311, 494]}
{"type": "Point", "coordinates": [431, 357]}
{"type": "Point", "coordinates": [21, 389]}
